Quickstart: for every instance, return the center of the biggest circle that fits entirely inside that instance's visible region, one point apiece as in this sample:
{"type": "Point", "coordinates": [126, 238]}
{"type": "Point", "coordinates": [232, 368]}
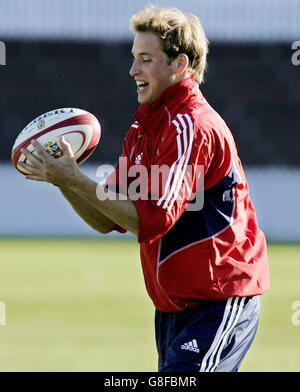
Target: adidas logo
{"type": "Point", "coordinates": [191, 346]}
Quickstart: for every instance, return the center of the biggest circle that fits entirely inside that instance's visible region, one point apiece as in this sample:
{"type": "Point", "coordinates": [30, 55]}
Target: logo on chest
{"type": "Point", "coordinates": [138, 159]}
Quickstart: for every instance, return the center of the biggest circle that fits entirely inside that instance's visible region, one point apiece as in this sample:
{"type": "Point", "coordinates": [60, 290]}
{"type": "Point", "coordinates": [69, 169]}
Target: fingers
{"type": "Point", "coordinates": [32, 163]}
{"type": "Point", "coordinates": [66, 147]}
{"type": "Point", "coordinates": [33, 177]}
{"type": "Point", "coordinates": [45, 167]}
{"type": "Point", "coordinates": [40, 149]}
{"type": "Point", "coordinates": [31, 158]}
{"type": "Point", "coordinates": [31, 169]}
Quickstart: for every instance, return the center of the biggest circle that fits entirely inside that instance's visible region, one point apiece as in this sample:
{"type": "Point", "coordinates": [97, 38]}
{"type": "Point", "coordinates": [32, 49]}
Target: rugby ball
{"type": "Point", "coordinates": [80, 128]}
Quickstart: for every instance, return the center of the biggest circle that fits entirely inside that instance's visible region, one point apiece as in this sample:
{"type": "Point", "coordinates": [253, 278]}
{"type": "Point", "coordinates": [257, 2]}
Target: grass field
{"type": "Point", "coordinates": [81, 305]}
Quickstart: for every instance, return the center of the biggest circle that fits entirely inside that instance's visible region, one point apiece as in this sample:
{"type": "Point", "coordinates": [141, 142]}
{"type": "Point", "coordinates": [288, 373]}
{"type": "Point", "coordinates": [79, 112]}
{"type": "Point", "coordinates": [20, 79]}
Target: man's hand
{"type": "Point", "coordinates": [59, 171]}
{"type": "Point", "coordinates": [65, 173]}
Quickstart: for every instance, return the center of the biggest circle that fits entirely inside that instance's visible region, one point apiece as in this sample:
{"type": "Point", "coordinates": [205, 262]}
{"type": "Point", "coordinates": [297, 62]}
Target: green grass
{"type": "Point", "coordinates": [81, 305]}
{"type": "Point", "coordinates": [276, 347]}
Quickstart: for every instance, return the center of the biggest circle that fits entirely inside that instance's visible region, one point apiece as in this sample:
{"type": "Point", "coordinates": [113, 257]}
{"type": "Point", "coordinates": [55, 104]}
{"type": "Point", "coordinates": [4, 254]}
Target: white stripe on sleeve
{"type": "Point", "coordinates": [183, 171]}
{"type": "Point", "coordinates": [179, 153]}
{"type": "Point", "coordinates": [184, 146]}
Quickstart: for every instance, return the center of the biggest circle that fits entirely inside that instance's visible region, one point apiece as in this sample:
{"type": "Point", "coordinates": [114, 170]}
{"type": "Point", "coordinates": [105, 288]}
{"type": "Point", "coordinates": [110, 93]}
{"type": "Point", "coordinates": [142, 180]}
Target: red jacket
{"type": "Point", "coordinates": [215, 252]}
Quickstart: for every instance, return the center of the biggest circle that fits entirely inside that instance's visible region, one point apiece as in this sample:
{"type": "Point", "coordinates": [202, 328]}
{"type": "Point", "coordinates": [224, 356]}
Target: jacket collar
{"type": "Point", "coordinates": [150, 116]}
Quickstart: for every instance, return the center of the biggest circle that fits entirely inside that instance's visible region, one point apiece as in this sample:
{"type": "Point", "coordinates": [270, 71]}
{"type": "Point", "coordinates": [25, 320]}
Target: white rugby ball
{"type": "Point", "coordinates": [80, 128]}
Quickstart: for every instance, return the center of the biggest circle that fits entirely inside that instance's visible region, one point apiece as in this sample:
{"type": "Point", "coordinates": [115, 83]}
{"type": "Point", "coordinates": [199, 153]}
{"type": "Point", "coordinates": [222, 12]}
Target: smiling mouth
{"type": "Point", "coordinates": [141, 86]}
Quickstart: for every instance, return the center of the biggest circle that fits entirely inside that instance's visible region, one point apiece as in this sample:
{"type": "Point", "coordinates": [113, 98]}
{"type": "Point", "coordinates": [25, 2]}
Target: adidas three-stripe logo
{"type": "Point", "coordinates": [233, 310]}
{"type": "Point", "coordinates": [191, 346]}
{"type": "Point", "coordinates": [184, 140]}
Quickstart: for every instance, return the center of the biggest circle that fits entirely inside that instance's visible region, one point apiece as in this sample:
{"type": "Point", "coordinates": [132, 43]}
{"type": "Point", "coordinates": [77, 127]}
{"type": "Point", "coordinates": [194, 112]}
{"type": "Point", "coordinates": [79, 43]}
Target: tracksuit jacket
{"type": "Point", "coordinates": [209, 253]}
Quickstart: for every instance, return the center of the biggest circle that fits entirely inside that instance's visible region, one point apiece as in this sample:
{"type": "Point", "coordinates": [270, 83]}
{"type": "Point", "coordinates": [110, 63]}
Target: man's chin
{"type": "Point", "coordinates": [144, 100]}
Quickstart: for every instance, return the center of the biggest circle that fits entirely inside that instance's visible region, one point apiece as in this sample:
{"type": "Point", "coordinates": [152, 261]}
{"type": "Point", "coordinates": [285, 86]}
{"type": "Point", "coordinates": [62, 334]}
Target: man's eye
{"type": "Point", "coordinates": [142, 60]}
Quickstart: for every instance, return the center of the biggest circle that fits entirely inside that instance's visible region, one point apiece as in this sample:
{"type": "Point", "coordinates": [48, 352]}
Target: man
{"type": "Point", "coordinates": [205, 268]}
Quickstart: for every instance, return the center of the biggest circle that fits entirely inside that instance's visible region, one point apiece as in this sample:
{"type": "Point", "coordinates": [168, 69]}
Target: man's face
{"type": "Point", "coordinates": [150, 68]}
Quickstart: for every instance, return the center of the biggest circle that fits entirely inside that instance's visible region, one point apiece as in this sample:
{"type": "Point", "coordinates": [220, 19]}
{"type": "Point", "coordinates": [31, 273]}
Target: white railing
{"type": "Point", "coordinates": [30, 208]}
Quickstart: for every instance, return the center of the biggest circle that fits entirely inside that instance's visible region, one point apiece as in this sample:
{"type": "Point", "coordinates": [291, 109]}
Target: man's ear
{"type": "Point", "coordinates": [182, 63]}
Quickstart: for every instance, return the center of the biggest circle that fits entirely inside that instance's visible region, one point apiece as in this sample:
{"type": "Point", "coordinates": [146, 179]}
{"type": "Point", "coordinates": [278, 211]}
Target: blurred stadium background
{"type": "Point", "coordinates": [79, 304]}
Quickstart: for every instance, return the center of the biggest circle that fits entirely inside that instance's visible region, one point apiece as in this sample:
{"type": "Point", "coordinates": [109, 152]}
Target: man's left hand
{"type": "Point", "coordinates": [59, 171]}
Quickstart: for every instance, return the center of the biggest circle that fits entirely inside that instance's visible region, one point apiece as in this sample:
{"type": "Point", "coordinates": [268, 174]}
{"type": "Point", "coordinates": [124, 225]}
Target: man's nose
{"type": "Point", "coordinates": [134, 70]}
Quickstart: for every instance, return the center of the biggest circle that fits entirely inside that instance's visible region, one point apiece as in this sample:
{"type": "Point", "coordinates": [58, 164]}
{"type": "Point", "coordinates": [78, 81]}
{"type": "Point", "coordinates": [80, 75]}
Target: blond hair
{"type": "Point", "coordinates": [178, 33]}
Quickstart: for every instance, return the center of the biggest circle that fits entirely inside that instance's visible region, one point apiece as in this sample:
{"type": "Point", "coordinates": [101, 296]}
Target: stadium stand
{"type": "Point", "coordinates": [256, 89]}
